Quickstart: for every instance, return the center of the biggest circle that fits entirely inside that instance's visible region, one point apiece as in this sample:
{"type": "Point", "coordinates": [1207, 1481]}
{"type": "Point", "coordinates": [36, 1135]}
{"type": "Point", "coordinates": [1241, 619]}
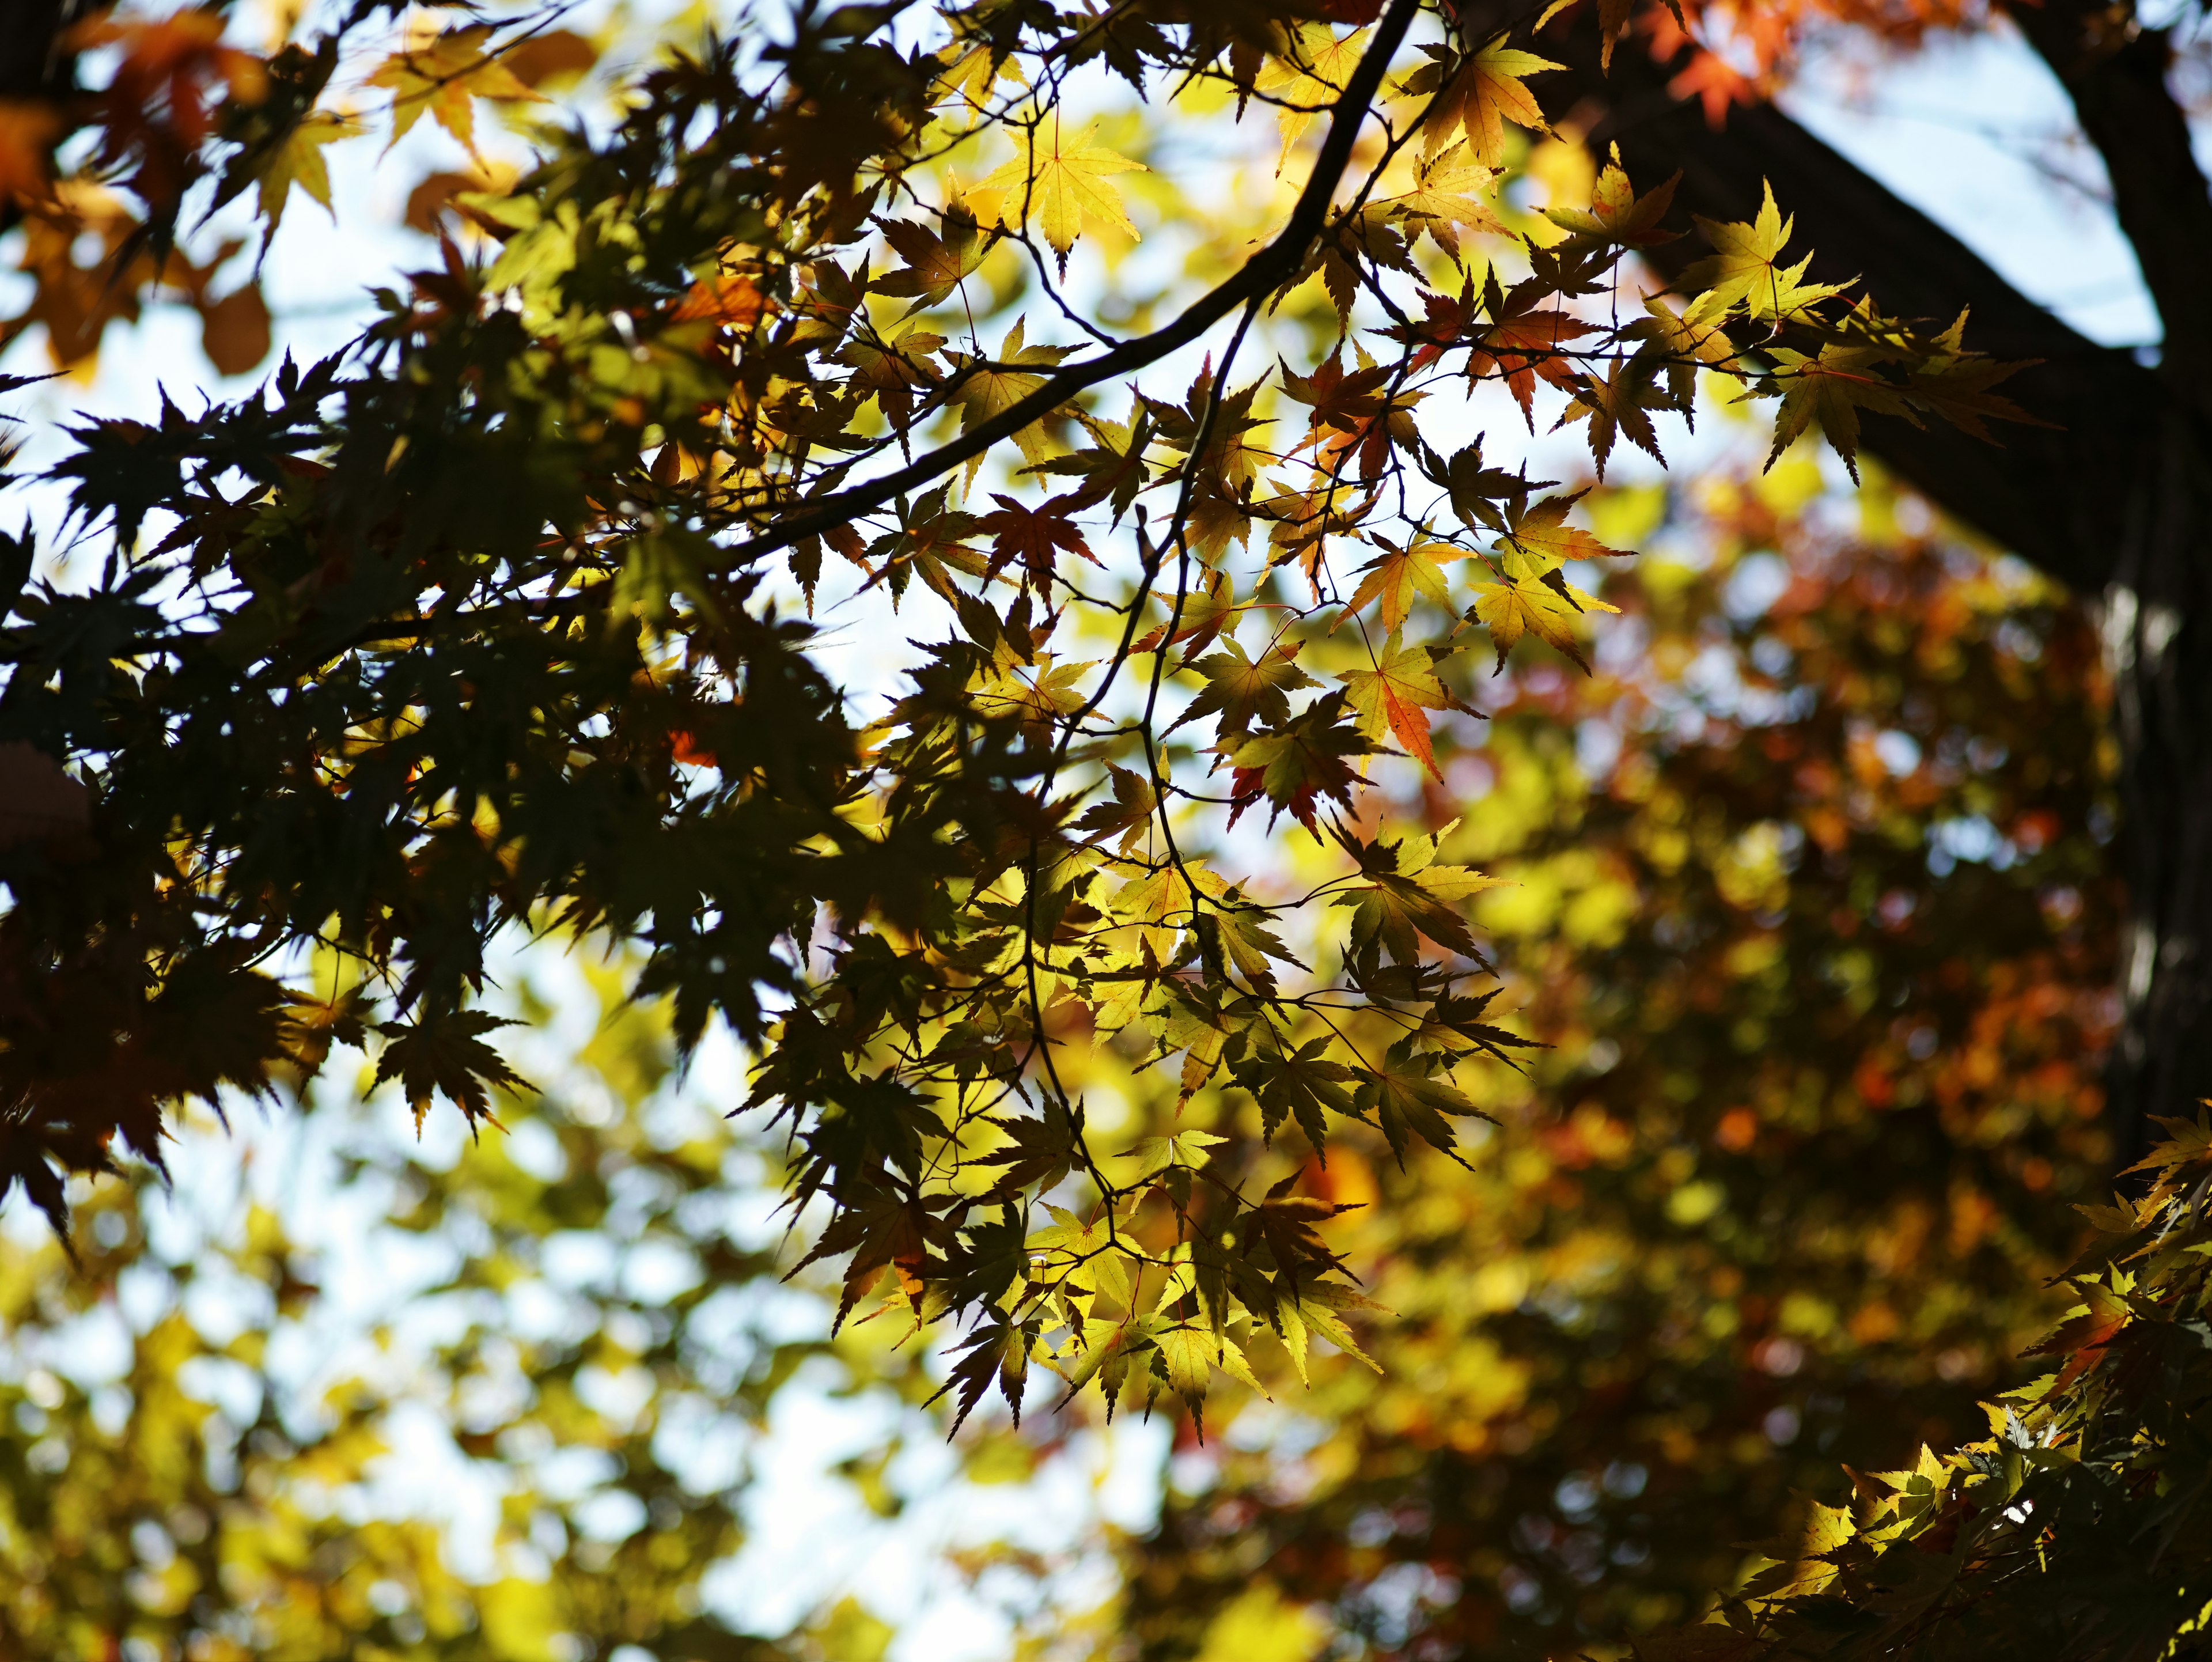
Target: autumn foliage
{"type": "Point", "coordinates": [1123, 937]}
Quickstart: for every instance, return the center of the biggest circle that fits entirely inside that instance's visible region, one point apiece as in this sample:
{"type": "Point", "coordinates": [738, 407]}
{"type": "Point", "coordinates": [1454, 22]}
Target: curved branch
{"type": "Point", "coordinates": [2114, 73]}
{"type": "Point", "coordinates": [2045, 493]}
{"type": "Point", "coordinates": [1267, 270]}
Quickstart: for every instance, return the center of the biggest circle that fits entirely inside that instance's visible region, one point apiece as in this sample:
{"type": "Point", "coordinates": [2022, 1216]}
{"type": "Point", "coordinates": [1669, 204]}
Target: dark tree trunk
{"type": "Point", "coordinates": [2115, 499]}
{"type": "Point", "coordinates": [2157, 642]}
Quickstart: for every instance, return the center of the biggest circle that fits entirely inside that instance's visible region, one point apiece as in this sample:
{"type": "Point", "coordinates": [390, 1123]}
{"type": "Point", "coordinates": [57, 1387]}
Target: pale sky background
{"type": "Point", "coordinates": [1975, 132]}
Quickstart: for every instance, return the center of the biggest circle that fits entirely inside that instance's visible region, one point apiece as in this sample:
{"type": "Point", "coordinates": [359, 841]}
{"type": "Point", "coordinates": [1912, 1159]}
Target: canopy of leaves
{"type": "Point", "coordinates": [492, 620]}
{"type": "Point", "coordinates": [1828, 1011]}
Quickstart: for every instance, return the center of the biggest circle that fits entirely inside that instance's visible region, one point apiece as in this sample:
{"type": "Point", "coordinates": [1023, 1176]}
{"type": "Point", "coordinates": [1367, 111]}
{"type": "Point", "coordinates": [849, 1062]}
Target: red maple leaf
{"type": "Point", "coordinates": [1031, 535]}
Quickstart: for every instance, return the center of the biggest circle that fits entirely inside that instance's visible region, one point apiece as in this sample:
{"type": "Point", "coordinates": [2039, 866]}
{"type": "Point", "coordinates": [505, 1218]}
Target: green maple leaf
{"type": "Point", "coordinates": [1240, 691]}
{"type": "Point", "coordinates": [1408, 894]}
{"type": "Point", "coordinates": [1412, 1096]}
{"type": "Point", "coordinates": [1303, 1084]}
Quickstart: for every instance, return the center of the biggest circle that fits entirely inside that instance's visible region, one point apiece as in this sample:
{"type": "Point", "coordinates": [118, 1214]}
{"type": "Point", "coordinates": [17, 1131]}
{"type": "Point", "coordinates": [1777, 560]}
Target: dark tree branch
{"type": "Point", "coordinates": [2114, 73]}
{"type": "Point", "coordinates": [2046, 494]}
{"type": "Point", "coordinates": [1265, 271]}
{"type": "Point", "coordinates": [30, 31]}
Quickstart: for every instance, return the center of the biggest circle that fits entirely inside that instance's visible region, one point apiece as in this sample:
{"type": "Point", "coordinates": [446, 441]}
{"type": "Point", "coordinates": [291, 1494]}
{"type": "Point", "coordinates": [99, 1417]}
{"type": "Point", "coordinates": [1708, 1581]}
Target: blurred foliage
{"type": "Point", "coordinates": [225, 1495]}
{"type": "Point", "coordinates": [1825, 953]}
{"type": "Point", "coordinates": [2075, 1530]}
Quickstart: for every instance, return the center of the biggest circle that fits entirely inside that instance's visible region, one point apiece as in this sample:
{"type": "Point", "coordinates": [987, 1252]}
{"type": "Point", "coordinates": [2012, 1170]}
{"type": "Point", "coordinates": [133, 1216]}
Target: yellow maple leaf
{"type": "Point", "coordinates": [445, 75]}
{"type": "Point", "coordinates": [1746, 269]}
{"type": "Point", "coordinates": [1394, 578]}
{"type": "Point", "coordinates": [987, 387]}
{"type": "Point", "coordinates": [299, 161]}
{"type": "Point", "coordinates": [1060, 183]}
{"type": "Point", "coordinates": [1477, 95]}
{"type": "Point", "coordinates": [1515, 607]}
{"type": "Point", "coordinates": [1541, 540]}
{"type": "Point", "coordinates": [1394, 695]}
{"type": "Point", "coordinates": [1308, 79]}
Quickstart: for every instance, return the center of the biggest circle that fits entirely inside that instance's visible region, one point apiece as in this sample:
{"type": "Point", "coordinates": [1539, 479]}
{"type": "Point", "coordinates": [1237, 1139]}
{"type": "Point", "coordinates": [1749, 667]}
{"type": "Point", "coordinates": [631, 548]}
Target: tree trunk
{"type": "Point", "coordinates": [2158, 644]}
{"type": "Point", "coordinates": [2114, 499]}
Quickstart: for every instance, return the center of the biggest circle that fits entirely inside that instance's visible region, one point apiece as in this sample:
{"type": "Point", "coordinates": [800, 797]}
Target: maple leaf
{"type": "Point", "coordinates": [1831, 388]}
{"type": "Point", "coordinates": [1955, 383]}
{"type": "Point", "coordinates": [988, 386]}
{"type": "Point", "coordinates": [447, 1053]}
{"type": "Point", "coordinates": [1396, 575]}
{"type": "Point", "coordinates": [1681, 344]}
{"type": "Point", "coordinates": [1447, 198]}
{"type": "Point", "coordinates": [1474, 489]}
{"type": "Point", "coordinates": [1617, 216]}
{"type": "Point", "coordinates": [1113, 470]}
{"type": "Point", "coordinates": [1410, 1096]}
{"type": "Point", "coordinates": [445, 76]}
{"type": "Point", "coordinates": [930, 537]}
{"type": "Point", "coordinates": [1512, 608]}
{"type": "Point", "coordinates": [1238, 934]}
{"type": "Point", "coordinates": [28, 130]}
{"type": "Point", "coordinates": [936, 264]}
{"type": "Point", "coordinates": [1520, 346]}
{"type": "Point", "coordinates": [299, 161]}
{"type": "Point", "coordinates": [1394, 695]}
{"type": "Point", "coordinates": [1283, 1225]}
{"type": "Point", "coordinates": [1302, 1084]}
{"type": "Point", "coordinates": [166, 64]}
{"type": "Point", "coordinates": [1306, 80]}
{"type": "Point", "coordinates": [1540, 540]}
{"type": "Point", "coordinates": [1447, 319]}
{"type": "Point", "coordinates": [1129, 813]}
{"type": "Point", "coordinates": [1063, 183]}
{"type": "Point", "coordinates": [1304, 521]}
{"type": "Point", "coordinates": [1038, 1153]}
{"type": "Point", "coordinates": [1206, 611]}
{"type": "Point", "coordinates": [893, 372]}
{"type": "Point", "coordinates": [1716, 84]}
{"type": "Point", "coordinates": [885, 1229]}
{"type": "Point", "coordinates": [1241, 690]}
{"type": "Point", "coordinates": [729, 299]}
{"type": "Point", "coordinates": [1356, 409]}
{"type": "Point", "coordinates": [997, 1353]}
{"type": "Point", "coordinates": [1618, 403]}
{"type": "Point", "coordinates": [1745, 268]}
{"type": "Point", "coordinates": [1406, 895]}
{"type": "Point", "coordinates": [1297, 765]}
{"type": "Point", "coordinates": [1031, 535]}
{"type": "Point", "coordinates": [1477, 95]}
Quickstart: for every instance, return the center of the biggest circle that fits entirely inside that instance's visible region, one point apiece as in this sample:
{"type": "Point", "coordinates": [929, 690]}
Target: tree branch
{"type": "Point", "coordinates": [2114, 73]}
{"type": "Point", "coordinates": [1268, 269]}
{"type": "Point", "coordinates": [2046, 494]}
